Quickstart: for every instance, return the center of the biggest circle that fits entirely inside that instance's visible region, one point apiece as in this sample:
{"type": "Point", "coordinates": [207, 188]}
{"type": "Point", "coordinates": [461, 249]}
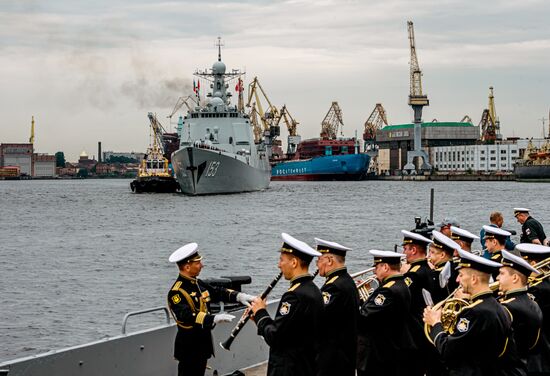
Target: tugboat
{"type": "Point", "coordinates": [535, 165]}
{"type": "Point", "coordinates": [217, 153]}
{"type": "Point", "coordinates": [154, 174]}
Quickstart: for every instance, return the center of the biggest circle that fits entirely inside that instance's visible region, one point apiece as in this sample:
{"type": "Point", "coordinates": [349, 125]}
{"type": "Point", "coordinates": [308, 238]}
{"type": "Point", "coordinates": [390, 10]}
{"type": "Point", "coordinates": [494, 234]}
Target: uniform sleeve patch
{"type": "Point", "coordinates": [176, 299]}
{"type": "Point", "coordinates": [326, 297]}
{"type": "Point", "coordinates": [531, 296]}
{"type": "Point", "coordinates": [463, 325]}
{"type": "Point", "coordinates": [408, 281]}
{"type": "Point", "coordinates": [285, 308]}
{"type": "Point", "coordinates": [379, 300]}
{"type": "Point", "coordinates": [528, 231]}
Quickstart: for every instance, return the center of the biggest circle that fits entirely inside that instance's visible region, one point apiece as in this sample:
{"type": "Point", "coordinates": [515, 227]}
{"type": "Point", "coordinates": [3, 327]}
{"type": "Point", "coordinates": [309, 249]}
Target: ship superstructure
{"type": "Point", "coordinates": [217, 152]}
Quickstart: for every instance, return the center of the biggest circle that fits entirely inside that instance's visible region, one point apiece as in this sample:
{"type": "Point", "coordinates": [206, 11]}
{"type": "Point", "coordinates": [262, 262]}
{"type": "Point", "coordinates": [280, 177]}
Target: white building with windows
{"type": "Point", "coordinates": [484, 158]}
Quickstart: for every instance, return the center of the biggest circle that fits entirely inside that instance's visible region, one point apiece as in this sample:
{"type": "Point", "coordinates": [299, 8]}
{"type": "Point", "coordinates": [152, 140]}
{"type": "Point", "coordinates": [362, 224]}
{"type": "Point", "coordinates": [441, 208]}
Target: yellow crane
{"type": "Point", "coordinates": [268, 117]}
{"type": "Point", "coordinates": [31, 139]}
{"type": "Point", "coordinates": [183, 101]}
{"type": "Point", "coordinates": [489, 123]}
{"type": "Point", "coordinates": [332, 122]}
{"type": "Point", "coordinates": [376, 120]}
{"type": "Point", "coordinates": [291, 125]}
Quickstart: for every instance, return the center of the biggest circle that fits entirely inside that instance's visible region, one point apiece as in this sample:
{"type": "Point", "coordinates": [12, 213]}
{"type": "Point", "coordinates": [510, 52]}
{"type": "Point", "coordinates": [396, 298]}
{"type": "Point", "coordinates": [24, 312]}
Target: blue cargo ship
{"type": "Point", "coordinates": [324, 159]}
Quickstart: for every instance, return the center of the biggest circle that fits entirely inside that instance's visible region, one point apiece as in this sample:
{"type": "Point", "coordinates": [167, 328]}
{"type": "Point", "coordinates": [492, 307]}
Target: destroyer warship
{"type": "Point", "coordinates": [217, 152]}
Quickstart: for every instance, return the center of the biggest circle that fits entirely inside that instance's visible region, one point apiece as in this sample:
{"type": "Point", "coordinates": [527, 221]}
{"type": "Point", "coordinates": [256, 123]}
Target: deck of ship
{"type": "Point", "coordinates": [260, 370]}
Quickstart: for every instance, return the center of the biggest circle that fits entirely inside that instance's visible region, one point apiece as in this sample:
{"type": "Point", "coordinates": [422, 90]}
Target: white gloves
{"type": "Point", "coordinates": [245, 298]}
{"type": "Point", "coordinates": [223, 317]}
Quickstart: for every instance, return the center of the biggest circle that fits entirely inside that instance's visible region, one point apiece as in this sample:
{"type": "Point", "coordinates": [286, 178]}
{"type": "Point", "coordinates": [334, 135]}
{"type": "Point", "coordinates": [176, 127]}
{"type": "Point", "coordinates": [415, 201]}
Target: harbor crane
{"type": "Point", "coordinates": [267, 118]}
{"type": "Point", "coordinates": [291, 125]}
{"type": "Point", "coordinates": [489, 123]}
{"type": "Point", "coordinates": [417, 100]}
{"type": "Point", "coordinates": [31, 139]}
{"type": "Point", "coordinates": [376, 120]}
{"type": "Point", "coordinates": [158, 132]}
{"type": "Point", "coordinates": [183, 101]}
{"type": "Point", "coordinates": [332, 122]}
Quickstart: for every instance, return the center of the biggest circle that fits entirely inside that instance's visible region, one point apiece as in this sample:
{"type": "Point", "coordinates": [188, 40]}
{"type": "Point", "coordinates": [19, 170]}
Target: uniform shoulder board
{"type": "Point", "coordinates": [176, 286]}
{"type": "Point", "coordinates": [415, 268]}
{"type": "Point", "coordinates": [507, 301]}
{"type": "Point", "coordinates": [294, 287]}
{"type": "Point", "coordinates": [474, 304]}
{"type": "Point", "coordinates": [389, 284]}
{"type": "Point", "coordinates": [332, 279]}
{"type": "Point", "coordinates": [494, 257]}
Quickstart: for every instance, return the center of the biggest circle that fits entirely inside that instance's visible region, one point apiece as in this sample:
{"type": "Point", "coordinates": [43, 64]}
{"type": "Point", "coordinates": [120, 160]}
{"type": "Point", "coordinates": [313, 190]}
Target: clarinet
{"type": "Point", "coordinates": [247, 315]}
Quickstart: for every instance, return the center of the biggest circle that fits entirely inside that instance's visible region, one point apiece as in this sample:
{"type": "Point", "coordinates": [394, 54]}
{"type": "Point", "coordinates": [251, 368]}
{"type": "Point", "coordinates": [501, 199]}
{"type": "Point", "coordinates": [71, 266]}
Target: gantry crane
{"type": "Point", "coordinates": [332, 121]}
{"type": "Point", "coordinates": [268, 117]}
{"type": "Point", "coordinates": [291, 125]}
{"type": "Point", "coordinates": [417, 100]}
{"type": "Point", "coordinates": [375, 122]}
{"type": "Point", "coordinates": [489, 123]}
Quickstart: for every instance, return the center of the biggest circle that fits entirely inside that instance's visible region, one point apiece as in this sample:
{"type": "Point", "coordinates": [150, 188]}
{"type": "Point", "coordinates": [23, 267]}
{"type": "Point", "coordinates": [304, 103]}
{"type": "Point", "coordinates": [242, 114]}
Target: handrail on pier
{"type": "Point", "coordinates": [135, 313]}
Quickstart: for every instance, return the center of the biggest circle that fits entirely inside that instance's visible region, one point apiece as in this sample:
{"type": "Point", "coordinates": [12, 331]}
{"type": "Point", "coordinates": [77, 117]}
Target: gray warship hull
{"type": "Point", "coordinates": [201, 171]}
{"type": "Point", "coordinates": [532, 173]}
{"type": "Point", "coordinates": [144, 353]}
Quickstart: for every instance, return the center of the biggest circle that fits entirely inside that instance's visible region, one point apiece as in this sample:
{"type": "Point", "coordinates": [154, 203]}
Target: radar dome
{"type": "Point", "coordinates": [218, 67]}
{"type": "Point", "coordinates": [216, 101]}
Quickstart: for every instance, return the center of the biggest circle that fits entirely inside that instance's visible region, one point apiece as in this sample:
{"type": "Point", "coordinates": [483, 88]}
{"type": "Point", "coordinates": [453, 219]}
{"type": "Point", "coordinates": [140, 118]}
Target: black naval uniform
{"type": "Point", "coordinates": [496, 257]}
{"type": "Point", "coordinates": [189, 301]}
{"type": "Point", "coordinates": [482, 343]}
{"type": "Point", "coordinates": [531, 230]}
{"type": "Point", "coordinates": [419, 277]}
{"type": "Point", "coordinates": [539, 362]}
{"type": "Point", "coordinates": [385, 328]}
{"type": "Point", "coordinates": [293, 336]}
{"type": "Point", "coordinates": [527, 321]}
{"type": "Point", "coordinates": [337, 355]}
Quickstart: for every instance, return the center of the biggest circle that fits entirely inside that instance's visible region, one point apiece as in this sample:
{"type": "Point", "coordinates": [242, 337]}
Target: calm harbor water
{"type": "Point", "coordinates": [77, 255]}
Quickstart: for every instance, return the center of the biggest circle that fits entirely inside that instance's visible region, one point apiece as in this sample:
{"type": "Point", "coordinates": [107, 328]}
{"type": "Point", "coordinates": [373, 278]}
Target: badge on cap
{"type": "Point", "coordinates": [285, 308]}
{"type": "Point", "coordinates": [463, 325]}
{"type": "Point", "coordinates": [379, 300]}
{"type": "Point", "coordinates": [326, 297]}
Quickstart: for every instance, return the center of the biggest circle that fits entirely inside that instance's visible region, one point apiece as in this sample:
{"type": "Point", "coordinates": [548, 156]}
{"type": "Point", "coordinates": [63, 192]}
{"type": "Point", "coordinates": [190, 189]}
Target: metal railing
{"type": "Point", "coordinates": [136, 313]}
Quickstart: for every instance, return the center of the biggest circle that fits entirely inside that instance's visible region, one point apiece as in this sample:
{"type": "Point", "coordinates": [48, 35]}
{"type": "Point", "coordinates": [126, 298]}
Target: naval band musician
{"type": "Point", "coordinates": [527, 315]}
{"type": "Point", "coordinates": [293, 335]}
{"type": "Point", "coordinates": [495, 239]}
{"type": "Point", "coordinates": [481, 341]}
{"type": "Point", "coordinates": [464, 238]}
{"type": "Point", "coordinates": [189, 302]}
{"type": "Point", "coordinates": [386, 321]}
{"type": "Point", "coordinates": [444, 274]}
{"type": "Point", "coordinates": [419, 277]}
{"type": "Point", "coordinates": [338, 350]}
{"type": "Point", "coordinates": [539, 361]}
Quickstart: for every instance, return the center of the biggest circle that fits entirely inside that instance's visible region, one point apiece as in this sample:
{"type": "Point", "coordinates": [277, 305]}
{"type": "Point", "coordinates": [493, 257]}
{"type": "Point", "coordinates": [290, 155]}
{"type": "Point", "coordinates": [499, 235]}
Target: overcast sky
{"type": "Point", "coordinates": [90, 71]}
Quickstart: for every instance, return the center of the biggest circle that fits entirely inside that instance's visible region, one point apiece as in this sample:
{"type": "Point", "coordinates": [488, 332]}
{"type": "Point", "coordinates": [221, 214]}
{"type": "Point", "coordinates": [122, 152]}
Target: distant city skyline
{"type": "Point", "coordinates": [91, 72]}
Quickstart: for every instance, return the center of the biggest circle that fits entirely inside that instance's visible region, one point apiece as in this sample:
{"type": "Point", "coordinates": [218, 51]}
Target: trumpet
{"type": "Point", "coordinates": [544, 269]}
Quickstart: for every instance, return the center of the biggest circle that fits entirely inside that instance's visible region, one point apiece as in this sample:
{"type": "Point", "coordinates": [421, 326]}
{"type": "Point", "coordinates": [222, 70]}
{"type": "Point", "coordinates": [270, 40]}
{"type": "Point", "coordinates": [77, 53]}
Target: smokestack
{"type": "Point", "coordinates": [99, 158]}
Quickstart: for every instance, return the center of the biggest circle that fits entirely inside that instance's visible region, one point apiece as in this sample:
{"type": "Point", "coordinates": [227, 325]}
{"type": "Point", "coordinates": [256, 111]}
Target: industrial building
{"type": "Point", "coordinates": [394, 141]}
{"type": "Point", "coordinates": [29, 163]}
{"type": "Point", "coordinates": [498, 157]}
